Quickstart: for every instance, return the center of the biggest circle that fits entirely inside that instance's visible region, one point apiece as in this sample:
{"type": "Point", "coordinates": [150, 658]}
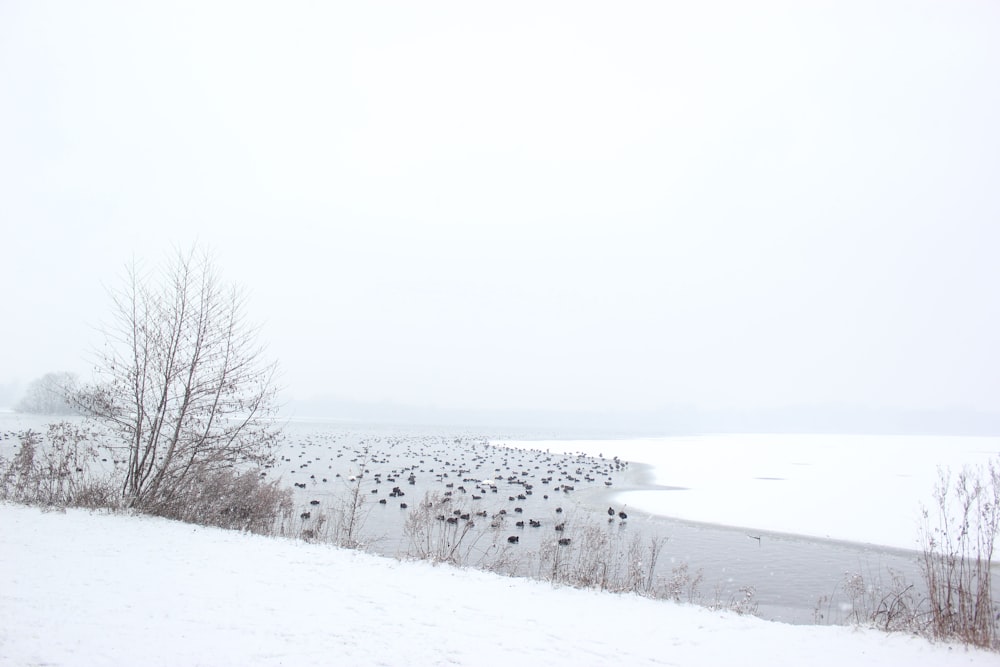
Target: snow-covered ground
{"type": "Point", "coordinates": [857, 488]}
{"type": "Point", "coordinates": [81, 588]}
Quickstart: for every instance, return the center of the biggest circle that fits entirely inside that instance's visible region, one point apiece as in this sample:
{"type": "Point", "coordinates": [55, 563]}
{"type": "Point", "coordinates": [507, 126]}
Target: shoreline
{"type": "Point", "coordinates": [850, 489]}
{"type": "Point", "coordinates": [597, 499]}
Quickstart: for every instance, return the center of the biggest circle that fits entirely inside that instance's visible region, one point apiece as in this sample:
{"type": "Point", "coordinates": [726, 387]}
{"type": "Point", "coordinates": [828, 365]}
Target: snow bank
{"type": "Point", "coordinates": [88, 589]}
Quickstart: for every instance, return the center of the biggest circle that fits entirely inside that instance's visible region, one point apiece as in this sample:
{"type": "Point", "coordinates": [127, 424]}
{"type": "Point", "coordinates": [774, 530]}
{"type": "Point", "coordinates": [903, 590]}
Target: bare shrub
{"type": "Point", "coordinates": [891, 606]}
{"type": "Point", "coordinates": [585, 562]}
{"type": "Point", "coordinates": [899, 608]}
{"type": "Point", "coordinates": [20, 479]}
{"type": "Point", "coordinates": [602, 557]}
{"type": "Point", "coordinates": [683, 585]}
{"type": "Point", "coordinates": [490, 550]}
{"type": "Point", "coordinates": [500, 558]}
{"type": "Point", "coordinates": [598, 556]}
{"type": "Point", "coordinates": [958, 540]}
{"type": "Point", "coordinates": [655, 549]}
{"type": "Point", "coordinates": [822, 609]}
{"type": "Point", "coordinates": [344, 522]}
{"type": "Point", "coordinates": [311, 526]}
{"type": "Point", "coordinates": [436, 533]}
{"type": "Point", "coordinates": [232, 499]}
{"type": "Point", "coordinates": [743, 603]}
{"type": "Point", "coordinates": [59, 470]}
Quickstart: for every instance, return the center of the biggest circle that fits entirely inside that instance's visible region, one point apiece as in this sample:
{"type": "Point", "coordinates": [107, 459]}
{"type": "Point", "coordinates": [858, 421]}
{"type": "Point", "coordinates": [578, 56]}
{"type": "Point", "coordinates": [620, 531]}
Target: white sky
{"type": "Point", "coordinates": [550, 205]}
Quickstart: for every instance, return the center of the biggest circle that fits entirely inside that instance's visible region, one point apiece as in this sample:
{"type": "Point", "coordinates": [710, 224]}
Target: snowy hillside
{"type": "Point", "coordinates": [91, 589]}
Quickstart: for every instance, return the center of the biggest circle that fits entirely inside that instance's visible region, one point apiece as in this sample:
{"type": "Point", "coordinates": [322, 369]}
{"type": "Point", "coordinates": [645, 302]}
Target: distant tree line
{"type": "Point", "coordinates": [49, 395]}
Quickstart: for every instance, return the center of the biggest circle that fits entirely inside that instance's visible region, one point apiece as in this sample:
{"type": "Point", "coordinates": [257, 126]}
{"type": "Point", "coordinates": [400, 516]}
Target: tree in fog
{"type": "Point", "coordinates": [184, 387]}
{"type": "Point", "coordinates": [48, 395]}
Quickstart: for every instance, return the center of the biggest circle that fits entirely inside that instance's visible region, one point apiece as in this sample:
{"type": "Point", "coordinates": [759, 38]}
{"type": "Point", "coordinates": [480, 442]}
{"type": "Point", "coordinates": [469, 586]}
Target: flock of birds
{"type": "Point", "coordinates": [470, 479]}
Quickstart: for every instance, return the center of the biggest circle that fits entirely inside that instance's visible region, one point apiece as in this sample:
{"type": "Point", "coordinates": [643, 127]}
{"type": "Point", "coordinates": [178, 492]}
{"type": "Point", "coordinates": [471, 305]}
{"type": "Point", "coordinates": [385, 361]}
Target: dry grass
{"type": "Point", "coordinates": [343, 523]}
{"type": "Point", "coordinates": [439, 531]}
{"type": "Point", "coordinates": [881, 599]}
{"type": "Point", "coordinates": [56, 470]}
{"type": "Point", "coordinates": [599, 556]}
{"type": "Point", "coordinates": [229, 498]}
{"type": "Point", "coordinates": [958, 539]}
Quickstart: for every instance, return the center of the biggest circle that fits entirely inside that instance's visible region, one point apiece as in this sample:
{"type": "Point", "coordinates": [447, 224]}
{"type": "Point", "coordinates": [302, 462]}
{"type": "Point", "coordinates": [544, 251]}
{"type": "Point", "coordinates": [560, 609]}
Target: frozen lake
{"type": "Point", "coordinates": [857, 488]}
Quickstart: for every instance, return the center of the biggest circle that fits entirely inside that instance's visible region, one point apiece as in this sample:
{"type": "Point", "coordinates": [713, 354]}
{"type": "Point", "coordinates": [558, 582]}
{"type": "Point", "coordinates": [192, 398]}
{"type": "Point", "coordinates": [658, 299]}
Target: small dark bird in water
{"type": "Point", "coordinates": [611, 511]}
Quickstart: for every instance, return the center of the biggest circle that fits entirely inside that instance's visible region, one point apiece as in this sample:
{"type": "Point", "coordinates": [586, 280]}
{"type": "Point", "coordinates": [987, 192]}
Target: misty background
{"type": "Point", "coordinates": [661, 217]}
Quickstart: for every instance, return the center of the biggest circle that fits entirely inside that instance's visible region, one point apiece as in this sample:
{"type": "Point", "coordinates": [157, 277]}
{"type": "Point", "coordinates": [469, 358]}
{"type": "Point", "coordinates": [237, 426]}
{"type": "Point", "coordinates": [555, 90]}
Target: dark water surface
{"type": "Point", "coordinates": [794, 579]}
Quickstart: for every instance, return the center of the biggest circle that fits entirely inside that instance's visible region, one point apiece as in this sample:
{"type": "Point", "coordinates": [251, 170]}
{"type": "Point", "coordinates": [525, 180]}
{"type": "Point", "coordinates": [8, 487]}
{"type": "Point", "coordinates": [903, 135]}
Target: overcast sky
{"type": "Point", "coordinates": [524, 204]}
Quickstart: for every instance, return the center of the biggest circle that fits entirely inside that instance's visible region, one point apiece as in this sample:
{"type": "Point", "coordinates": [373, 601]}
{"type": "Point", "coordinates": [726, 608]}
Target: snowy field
{"type": "Point", "coordinates": [85, 589]}
{"type": "Point", "coordinates": [846, 487]}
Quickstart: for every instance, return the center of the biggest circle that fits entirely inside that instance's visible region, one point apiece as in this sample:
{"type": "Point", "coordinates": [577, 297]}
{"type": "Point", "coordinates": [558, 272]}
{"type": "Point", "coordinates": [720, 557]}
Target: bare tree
{"type": "Point", "coordinates": [47, 395]}
{"type": "Point", "coordinates": [183, 383]}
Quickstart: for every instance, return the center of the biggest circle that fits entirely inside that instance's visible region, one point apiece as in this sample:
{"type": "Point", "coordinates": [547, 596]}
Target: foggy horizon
{"type": "Point", "coordinates": [570, 209]}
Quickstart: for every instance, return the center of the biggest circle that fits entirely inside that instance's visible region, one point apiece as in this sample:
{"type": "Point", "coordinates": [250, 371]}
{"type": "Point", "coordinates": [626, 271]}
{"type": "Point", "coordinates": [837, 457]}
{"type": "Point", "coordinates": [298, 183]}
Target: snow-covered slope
{"type": "Point", "coordinates": [81, 589]}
